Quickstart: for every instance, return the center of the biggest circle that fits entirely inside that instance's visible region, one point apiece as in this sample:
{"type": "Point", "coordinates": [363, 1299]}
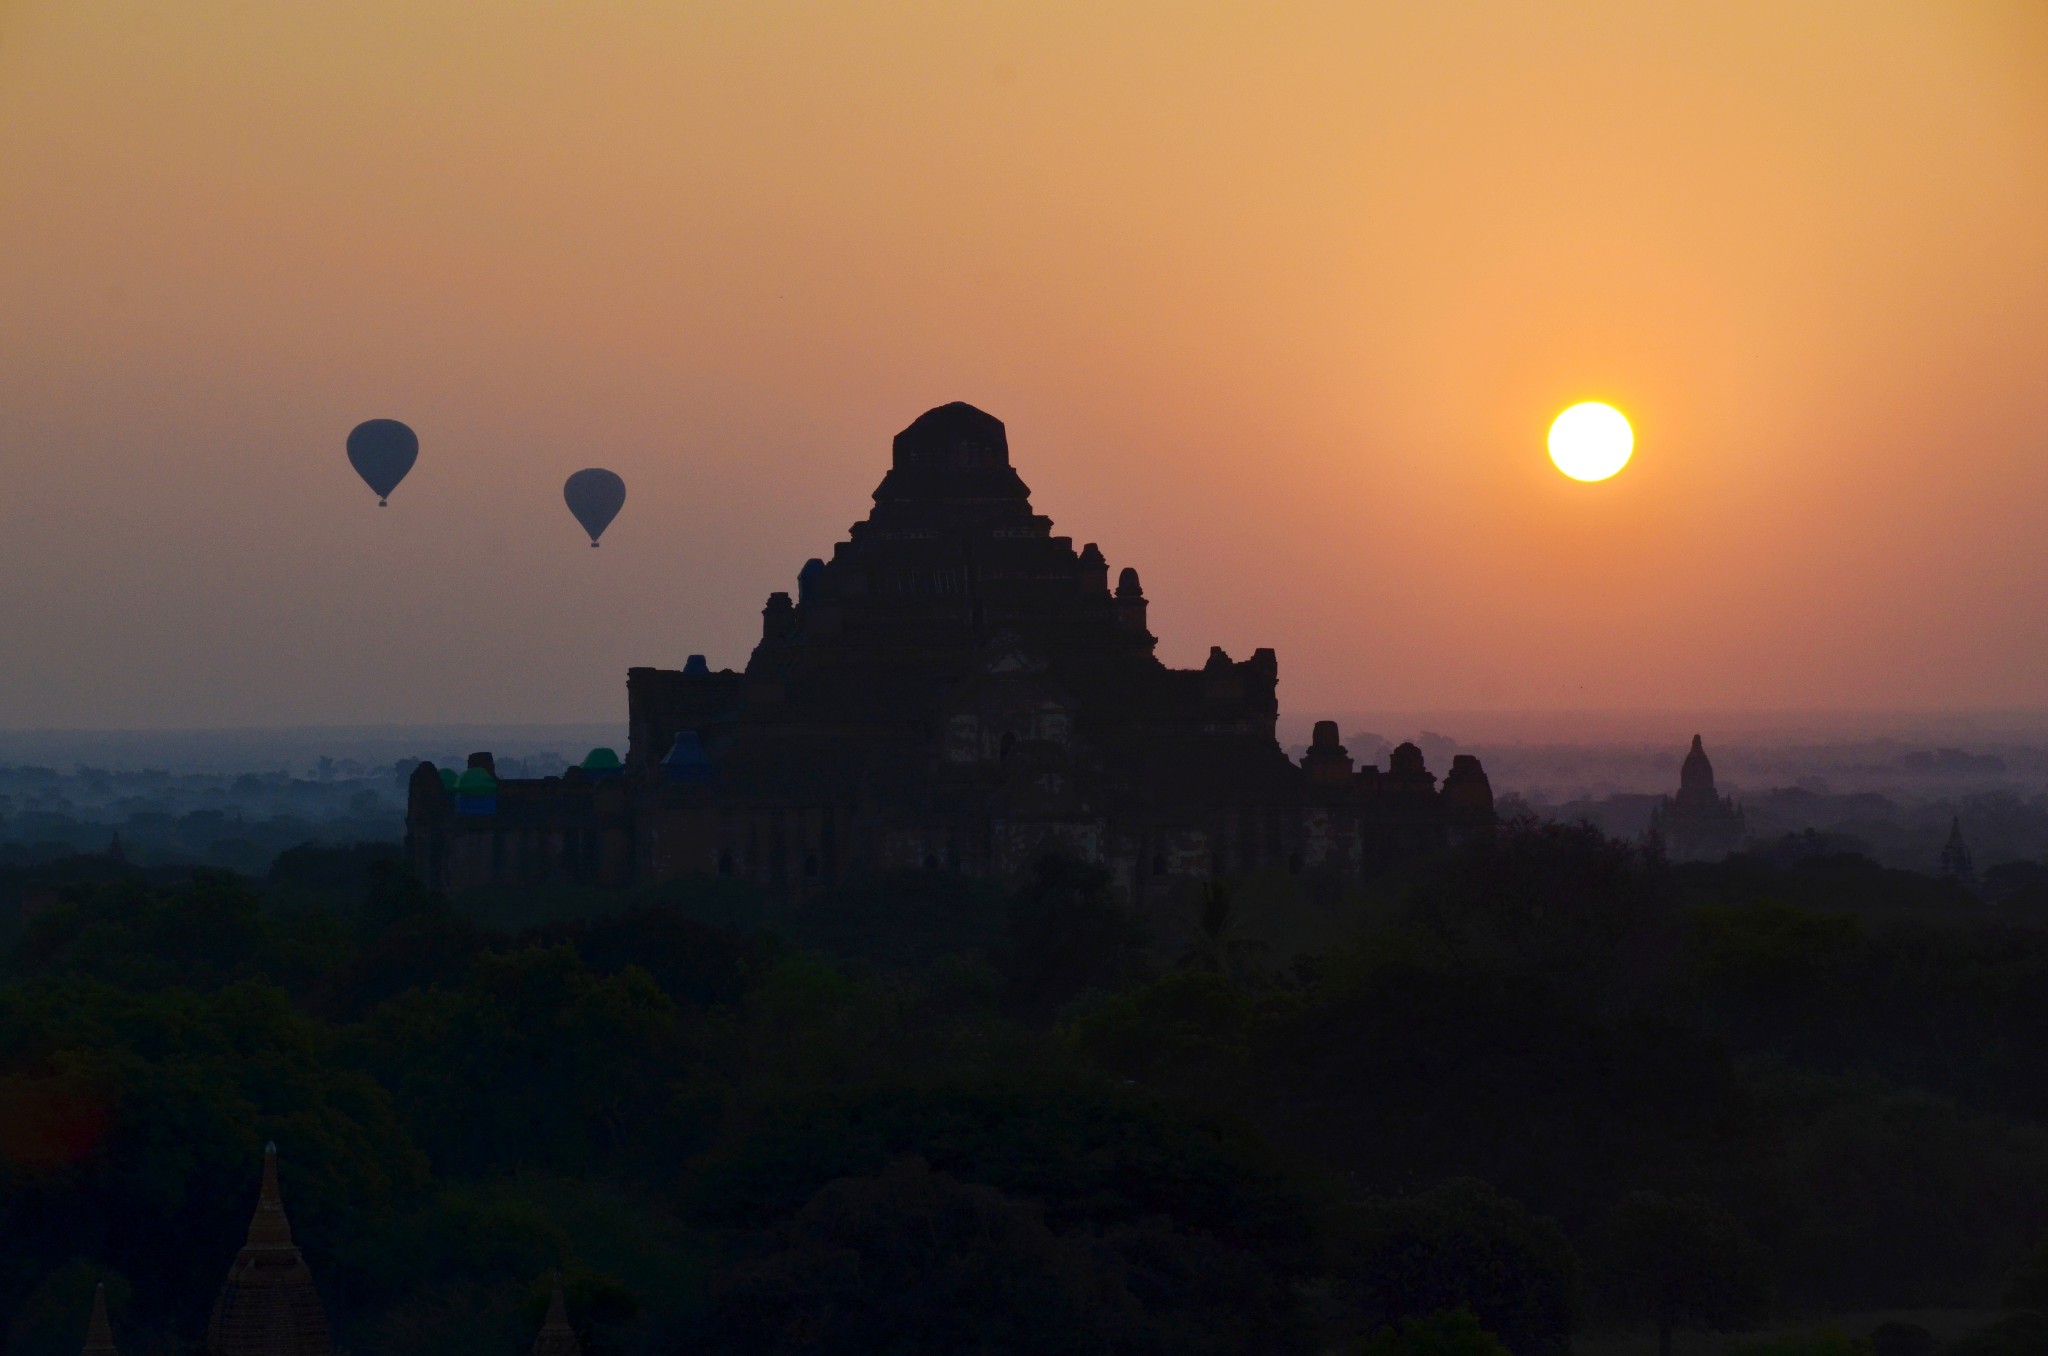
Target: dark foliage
{"type": "Point", "coordinates": [913, 1261]}
{"type": "Point", "coordinates": [1463, 1245]}
{"type": "Point", "coordinates": [980, 1119]}
{"type": "Point", "coordinates": [1680, 1262]}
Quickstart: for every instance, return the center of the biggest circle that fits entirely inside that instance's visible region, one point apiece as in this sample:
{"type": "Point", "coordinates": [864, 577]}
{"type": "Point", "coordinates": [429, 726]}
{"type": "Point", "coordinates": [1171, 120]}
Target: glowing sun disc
{"type": "Point", "coordinates": [1591, 441]}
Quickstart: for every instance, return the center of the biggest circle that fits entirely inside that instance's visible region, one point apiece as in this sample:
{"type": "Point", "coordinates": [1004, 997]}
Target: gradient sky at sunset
{"type": "Point", "coordinates": [1278, 302]}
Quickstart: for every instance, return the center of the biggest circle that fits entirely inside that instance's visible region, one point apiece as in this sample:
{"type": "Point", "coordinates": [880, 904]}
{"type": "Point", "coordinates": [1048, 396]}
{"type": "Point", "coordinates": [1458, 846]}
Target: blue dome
{"type": "Point", "coordinates": [695, 666]}
{"type": "Point", "coordinates": [686, 760]}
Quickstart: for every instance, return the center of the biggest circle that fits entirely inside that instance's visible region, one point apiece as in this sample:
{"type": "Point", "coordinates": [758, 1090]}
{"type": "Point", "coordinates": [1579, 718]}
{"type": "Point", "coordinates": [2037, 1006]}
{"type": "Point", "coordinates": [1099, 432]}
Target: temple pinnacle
{"type": "Point", "coordinates": [556, 1337]}
{"type": "Point", "coordinates": [268, 1227]}
{"type": "Point", "coordinates": [268, 1305]}
{"type": "Point", "coordinates": [99, 1336]}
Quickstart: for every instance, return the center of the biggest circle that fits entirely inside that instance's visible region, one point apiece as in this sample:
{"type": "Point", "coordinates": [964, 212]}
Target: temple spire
{"type": "Point", "coordinates": [1696, 774]}
{"type": "Point", "coordinates": [1955, 854]}
{"type": "Point", "coordinates": [268, 1227]}
{"type": "Point", "coordinates": [268, 1305]}
{"type": "Point", "coordinates": [556, 1337]}
{"type": "Point", "coordinates": [99, 1336]}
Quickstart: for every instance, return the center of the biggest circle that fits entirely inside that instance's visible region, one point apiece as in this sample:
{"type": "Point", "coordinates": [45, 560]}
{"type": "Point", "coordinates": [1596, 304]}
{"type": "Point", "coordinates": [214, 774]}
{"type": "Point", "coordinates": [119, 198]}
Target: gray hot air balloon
{"type": "Point", "coordinates": [595, 497]}
{"type": "Point", "coordinates": [382, 451]}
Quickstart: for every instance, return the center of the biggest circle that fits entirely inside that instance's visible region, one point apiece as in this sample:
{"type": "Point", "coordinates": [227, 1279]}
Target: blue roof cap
{"type": "Point", "coordinates": [686, 760]}
{"type": "Point", "coordinates": [809, 578]}
{"type": "Point", "coordinates": [688, 748]}
{"type": "Point", "coordinates": [695, 666]}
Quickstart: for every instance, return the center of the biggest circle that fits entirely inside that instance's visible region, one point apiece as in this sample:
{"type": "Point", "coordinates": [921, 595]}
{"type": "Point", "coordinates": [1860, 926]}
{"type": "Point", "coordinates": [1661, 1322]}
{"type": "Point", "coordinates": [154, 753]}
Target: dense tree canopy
{"type": "Point", "coordinates": [1545, 1082]}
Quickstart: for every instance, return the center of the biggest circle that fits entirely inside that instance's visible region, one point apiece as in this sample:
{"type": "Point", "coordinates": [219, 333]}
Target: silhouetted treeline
{"type": "Point", "coordinates": [1544, 1083]}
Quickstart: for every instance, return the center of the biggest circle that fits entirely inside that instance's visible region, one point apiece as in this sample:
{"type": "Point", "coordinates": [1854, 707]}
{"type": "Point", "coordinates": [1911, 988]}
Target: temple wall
{"type": "Point", "coordinates": [797, 848]}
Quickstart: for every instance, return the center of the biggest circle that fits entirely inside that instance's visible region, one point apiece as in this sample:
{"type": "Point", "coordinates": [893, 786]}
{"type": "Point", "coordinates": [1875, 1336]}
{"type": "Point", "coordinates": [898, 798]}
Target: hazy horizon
{"type": "Point", "coordinates": [1775, 748]}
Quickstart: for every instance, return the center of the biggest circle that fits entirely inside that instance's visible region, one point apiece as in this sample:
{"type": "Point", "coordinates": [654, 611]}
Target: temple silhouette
{"type": "Point", "coordinates": [1699, 824]}
{"type": "Point", "coordinates": [1955, 855]}
{"type": "Point", "coordinates": [955, 689]}
{"type": "Point", "coordinates": [268, 1306]}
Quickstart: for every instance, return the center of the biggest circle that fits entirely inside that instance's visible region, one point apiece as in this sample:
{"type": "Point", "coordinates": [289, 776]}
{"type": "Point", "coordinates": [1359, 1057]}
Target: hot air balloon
{"type": "Point", "coordinates": [382, 451]}
{"type": "Point", "coordinates": [595, 497]}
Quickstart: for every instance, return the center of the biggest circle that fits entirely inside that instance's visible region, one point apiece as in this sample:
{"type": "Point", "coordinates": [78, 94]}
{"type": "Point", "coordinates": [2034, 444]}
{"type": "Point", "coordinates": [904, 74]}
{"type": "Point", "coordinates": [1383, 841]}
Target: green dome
{"type": "Point", "coordinates": [602, 760]}
{"type": "Point", "coordinates": [447, 778]}
{"type": "Point", "coordinates": [476, 782]}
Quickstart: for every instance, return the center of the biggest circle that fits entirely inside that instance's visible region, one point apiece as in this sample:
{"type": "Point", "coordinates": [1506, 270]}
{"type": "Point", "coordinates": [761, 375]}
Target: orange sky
{"type": "Point", "coordinates": [1277, 301]}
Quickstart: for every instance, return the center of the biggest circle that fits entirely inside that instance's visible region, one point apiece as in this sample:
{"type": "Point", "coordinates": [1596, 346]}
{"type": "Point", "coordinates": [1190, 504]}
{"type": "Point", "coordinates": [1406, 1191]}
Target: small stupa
{"type": "Point", "coordinates": [268, 1306]}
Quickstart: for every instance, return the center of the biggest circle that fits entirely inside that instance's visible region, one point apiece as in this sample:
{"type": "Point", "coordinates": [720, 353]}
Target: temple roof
{"type": "Point", "coordinates": [950, 473]}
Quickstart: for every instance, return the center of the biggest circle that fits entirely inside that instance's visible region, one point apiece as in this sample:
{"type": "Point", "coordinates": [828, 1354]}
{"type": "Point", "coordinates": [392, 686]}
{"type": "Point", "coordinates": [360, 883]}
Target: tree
{"type": "Point", "coordinates": [535, 1062]}
{"type": "Point", "coordinates": [1188, 1032]}
{"type": "Point", "coordinates": [1068, 935]}
{"type": "Point", "coordinates": [1462, 1246]}
{"type": "Point", "coordinates": [2021, 1334]}
{"type": "Point", "coordinates": [2028, 1287]}
{"type": "Point", "coordinates": [1448, 1332]}
{"type": "Point", "coordinates": [1680, 1262]}
{"type": "Point", "coordinates": [1220, 945]}
{"type": "Point", "coordinates": [914, 1261]}
{"type": "Point", "coordinates": [1558, 898]}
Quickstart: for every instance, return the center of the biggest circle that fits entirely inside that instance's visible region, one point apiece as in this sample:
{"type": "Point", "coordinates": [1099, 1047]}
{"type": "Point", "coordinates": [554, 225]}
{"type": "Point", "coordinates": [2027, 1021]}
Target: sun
{"type": "Point", "coordinates": [1591, 441]}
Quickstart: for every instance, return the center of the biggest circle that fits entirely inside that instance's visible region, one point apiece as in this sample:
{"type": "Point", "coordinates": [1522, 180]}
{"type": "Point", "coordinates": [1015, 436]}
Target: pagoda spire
{"type": "Point", "coordinates": [1955, 854]}
{"type": "Point", "coordinates": [556, 1337]}
{"type": "Point", "coordinates": [268, 1306]}
{"type": "Point", "coordinates": [99, 1335]}
{"type": "Point", "coordinates": [268, 1227]}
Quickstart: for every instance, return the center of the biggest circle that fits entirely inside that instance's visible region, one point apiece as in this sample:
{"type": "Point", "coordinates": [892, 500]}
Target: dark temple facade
{"type": "Point", "coordinates": [956, 689]}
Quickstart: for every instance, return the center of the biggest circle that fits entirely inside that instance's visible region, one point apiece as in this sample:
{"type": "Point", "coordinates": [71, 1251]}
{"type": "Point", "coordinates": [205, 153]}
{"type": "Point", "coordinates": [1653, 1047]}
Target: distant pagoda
{"type": "Point", "coordinates": [1698, 824]}
{"type": "Point", "coordinates": [1955, 855]}
{"type": "Point", "coordinates": [268, 1306]}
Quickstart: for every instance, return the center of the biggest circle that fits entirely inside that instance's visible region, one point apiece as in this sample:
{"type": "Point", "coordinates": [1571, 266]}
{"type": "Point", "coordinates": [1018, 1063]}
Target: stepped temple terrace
{"type": "Point", "coordinates": [955, 689]}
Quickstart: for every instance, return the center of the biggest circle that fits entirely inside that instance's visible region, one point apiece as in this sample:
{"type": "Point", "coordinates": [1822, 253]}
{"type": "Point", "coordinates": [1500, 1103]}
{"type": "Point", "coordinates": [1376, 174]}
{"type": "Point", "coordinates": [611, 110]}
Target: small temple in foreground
{"type": "Point", "coordinates": [957, 689]}
{"type": "Point", "coordinates": [268, 1305]}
